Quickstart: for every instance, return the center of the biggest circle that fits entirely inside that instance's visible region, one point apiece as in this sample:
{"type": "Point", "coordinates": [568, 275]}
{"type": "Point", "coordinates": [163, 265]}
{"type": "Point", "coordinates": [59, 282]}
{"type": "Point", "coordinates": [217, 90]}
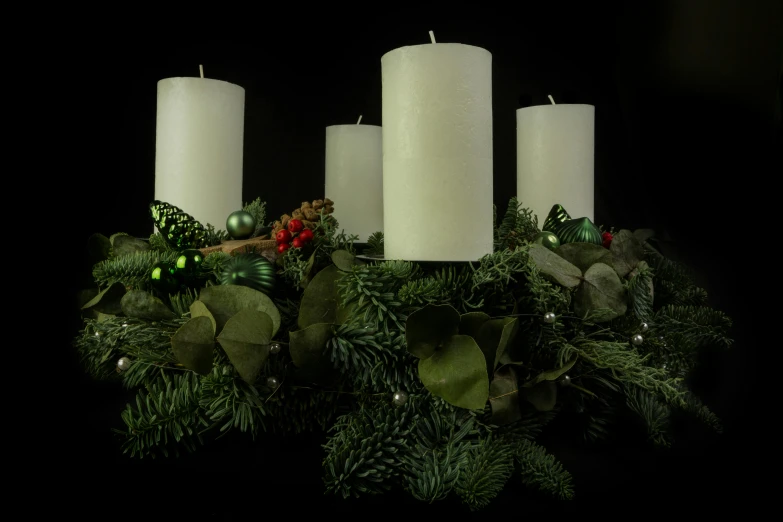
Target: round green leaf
{"type": "Point", "coordinates": [320, 300]}
{"type": "Point", "coordinates": [193, 345]}
{"type": "Point", "coordinates": [108, 300]}
{"type": "Point", "coordinates": [457, 372]}
{"type": "Point", "coordinates": [601, 290]}
{"type": "Point", "coordinates": [554, 266]}
{"type": "Point", "coordinates": [99, 247]}
{"type": "Point", "coordinates": [245, 339]}
{"type": "Point", "coordinates": [429, 327]}
{"type": "Point", "coordinates": [550, 375]}
{"type": "Point", "coordinates": [470, 323]}
{"type": "Point", "coordinates": [627, 251]}
{"type": "Point", "coordinates": [123, 245]}
{"type": "Point", "coordinates": [343, 259]}
{"type": "Point", "coordinates": [225, 301]}
{"type": "Point", "coordinates": [308, 344]}
{"type": "Point", "coordinates": [143, 305]}
{"type": "Point", "coordinates": [308, 271]}
{"type": "Point", "coordinates": [584, 255]}
{"type": "Point", "coordinates": [504, 397]}
{"type": "Point", "coordinates": [493, 338]}
{"type": "Point", "coordinates": [199, 309]}
{"type": "Point", "coordinates": [542, 396]}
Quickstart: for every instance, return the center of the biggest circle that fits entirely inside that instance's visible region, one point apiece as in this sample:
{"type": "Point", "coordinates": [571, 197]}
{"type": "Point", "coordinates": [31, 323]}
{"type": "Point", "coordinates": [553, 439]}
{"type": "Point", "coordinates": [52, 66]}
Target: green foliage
{"type": "Point", "coordinates": [230, 402]}
{"type": "Point", "coordinates": [654, 414]}
{"type": "Point", "coordinates": [257, 209]}
{"type": "Point", "coordinates": [374, 244]}
{"type": "Point", "coordinates": [541, 470]}
{"type": "Point", "coordinates": [518, 227]}
{"type": "Point", "coordinates": [132, 271]}
{"type": "Point", "coordinates": [488, 466]}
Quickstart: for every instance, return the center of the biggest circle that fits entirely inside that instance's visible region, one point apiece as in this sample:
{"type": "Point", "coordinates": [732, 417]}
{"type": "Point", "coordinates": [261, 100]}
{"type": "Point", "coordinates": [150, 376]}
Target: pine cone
{"type": "Point", "coordinates": [306, 204]}
{"type": "Point", "coordinates": [318, 204]}
{"type": "Point", "coordinates": [309, 224]}
{"type": "Point", "coordinates": [328, 209]}
{"type": "Point", "coordinates": [285, 218]}
{"type": "Point", "coordinates": [310, 214]}
{"type": "Point", "coordinates": [297, 214]}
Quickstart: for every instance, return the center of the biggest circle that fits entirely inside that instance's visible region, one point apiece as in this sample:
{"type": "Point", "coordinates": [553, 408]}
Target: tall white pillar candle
{"type": "Point", "coordinates": [555, 159]}
{"type": "Point", "coordinates": [199, 146]}
{"type": "Point", "coordinates": [354, 177]}
{"type": "Point", "coordinates": [437, 152]}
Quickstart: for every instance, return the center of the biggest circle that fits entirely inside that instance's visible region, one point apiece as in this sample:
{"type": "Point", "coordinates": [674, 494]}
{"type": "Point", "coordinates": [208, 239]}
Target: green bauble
{"type": "Point", "coordinates": [188, 263]}
{"type": "Point", "coordinates": [548, 239]}
{"type": "Point", "coordinates": [240, 224]}
{"type": "Point", "coordinates": [180, 230]}
{"type": "Point", "coordinates": [580, 230]}
{"type": "Point", "coordinates": [164, 278]}
{"type": "Point", "coordinates": [250, 269]}
{"type": "Point", "coordinates": [555, 217]}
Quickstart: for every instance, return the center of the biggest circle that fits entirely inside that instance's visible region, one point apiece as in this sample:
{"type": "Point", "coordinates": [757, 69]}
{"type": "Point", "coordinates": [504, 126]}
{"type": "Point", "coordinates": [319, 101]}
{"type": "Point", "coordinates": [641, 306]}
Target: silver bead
{"type": "Point", "coordinates": [272, 382]}
{"type": "Point", "coordinates": [400, 397]}
{"type": "Point", "coordinates": [645, 327]}
{"type": "Point", "coordinates": [565, 381]}
{"type": "Point", "coordinates": [274, 348]}
{"type": "Point", "coordinates": [637, 339]}
{"type": "Point", "coordinates": [549, 317]}
{"type": "Point", "coordinates": [124, 325]}
{"type": "Point", "coordinates": [124, 363]}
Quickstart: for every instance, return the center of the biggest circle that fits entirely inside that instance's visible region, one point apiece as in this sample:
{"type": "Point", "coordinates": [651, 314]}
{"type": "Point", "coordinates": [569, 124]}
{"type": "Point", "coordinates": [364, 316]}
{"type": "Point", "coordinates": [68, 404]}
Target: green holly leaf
{"type": "Point", "coordinates": [584, 255]}
{"type": "Point", "coordinates": [193, 345]}
{"type": "Point", "coordinates": [320, 301]}
{"type": "Point", "coordinates": [429, 327]}
{"type": "Point", "coordinates": [550, 375]}
{"type": "Point", "coordinates": [601, 290]}
{"type": "Point", "coordinates": [554, 266]}
{"type": "Point", "coordinates": [143, 305]}
{"type": "Point", "coordinates": [504, 397]}
{"type": "Point", "coordinates": [542, 396]}
{"type": "Point", "coordinates": [457, 372]}
{"type": "Point", "coordinates": [225, 301]}
{"type": "Point", "coordinates": [199, 309]}
{"type": "Point", "coordinates": [245, 339]}
{"type": "Point", "coordinates": [627, 251]}
{"type": "Point", "coordinates": [307, 345]}
{"type": "Point", "coordinates": [108, 300]}
{"type": "Point", "coordinates": [493, 338]}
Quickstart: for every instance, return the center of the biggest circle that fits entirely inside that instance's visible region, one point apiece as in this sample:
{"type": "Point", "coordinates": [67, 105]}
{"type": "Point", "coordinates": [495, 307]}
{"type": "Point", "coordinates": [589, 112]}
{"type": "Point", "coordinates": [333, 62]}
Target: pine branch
{"type": "Point", "coordinates": [518, 227]}
{"type": "Point", "coordinates": [257, 209]}
{"type": "Point", "coordinates": [488, 466]}
{"type": "Point", "coordinates": [529, 426]}
{"type": "Point", "coordinates": [540, 470]}
{"type": "Point", "coordinates": [693, 327]}
{"type": "Point", "coordinates": [640, 293]}
{"type": "Point", "coordinates": [655, 415]}
{"type": "Point", "coordinates": [695, 407]}
{"type": "Point", "coordinates": [132, 271]}
{"type": "Point", "coordinates": [295, 267]}
{"type": "Point", "coordinates": [374, 244]}
{"type": "Point", "coordinates": [230, 402]}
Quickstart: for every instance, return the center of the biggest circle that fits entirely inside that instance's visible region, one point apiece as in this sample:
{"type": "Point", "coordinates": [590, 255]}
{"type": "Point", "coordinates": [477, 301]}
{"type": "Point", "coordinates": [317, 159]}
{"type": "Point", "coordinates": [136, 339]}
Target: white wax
{"type": "Point", "coordinates": [354, 177]}
{"type": "Point", "coordinates": [555, 159]}
{"type": "Point", "coordinates": [199, 147]}
{"type": "Point", "coordinates": [437, 152]}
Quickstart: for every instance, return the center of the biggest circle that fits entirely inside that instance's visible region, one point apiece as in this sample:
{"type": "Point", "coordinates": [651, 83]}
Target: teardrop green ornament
{"type": "Point", "coordinates": [580, 230]}
{"type": "Point", "coordinates": [251, 270]}
{"type": "Point", "coordinates": [556, 217]}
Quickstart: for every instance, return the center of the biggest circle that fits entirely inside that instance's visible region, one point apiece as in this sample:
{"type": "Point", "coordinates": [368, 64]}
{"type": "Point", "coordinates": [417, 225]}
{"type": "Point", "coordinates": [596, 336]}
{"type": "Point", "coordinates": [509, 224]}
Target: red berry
{"type": "Point", "coordinates": [295, 225]}
{"type": "Point", "coordinates": [282, 247]}
{"type": "Point", "coordinates": [607, 239]}
{"type": "Point", "coordinates": [284, 236]}
{"type": "Point", "coordinates": [297, 243]}
{"type": "Point", "coordinates": [306, 235]}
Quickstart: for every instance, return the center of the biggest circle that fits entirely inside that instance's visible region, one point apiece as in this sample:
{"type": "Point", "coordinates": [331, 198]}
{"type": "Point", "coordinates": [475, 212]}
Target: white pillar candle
{"type": "Point", "coordinates": [437, 152]}
{"type": "Point", "coordinates": [199, 146]}
{"type": "Point", "coordinates": [354, 177]}
{"type": "Point", "coordinates": [555, 159]}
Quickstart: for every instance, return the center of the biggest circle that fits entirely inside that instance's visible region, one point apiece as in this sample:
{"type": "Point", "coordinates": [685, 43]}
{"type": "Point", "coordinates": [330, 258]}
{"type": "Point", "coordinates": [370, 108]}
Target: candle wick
{"type": "Point", "coordinates": [201, 70]}
{"type": "Point", "coordinates": [552, 99]}
{"type": "Point", "coordinates": [360, 120]}
{"type": "Point", "coordinates": [432, 37]}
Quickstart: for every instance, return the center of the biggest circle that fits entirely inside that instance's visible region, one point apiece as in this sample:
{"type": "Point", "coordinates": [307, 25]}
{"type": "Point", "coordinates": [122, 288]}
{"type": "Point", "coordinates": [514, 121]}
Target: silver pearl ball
{"type": "Point", "coordinates": [549, 317]}
{"type": "Point", "coordinates": [272, 382]}
{"type": "Point", "coordinates": [565, 381]}
{"type": "Point", "coordinates": [644, 327]}
{"type": "Point", "coordinates": [275, 348]}
{"type": "Point", "coordinates": [400, 397]}
{"type": "Point", "coordinates": [637, 339]}
{"type": "Point", "coordinates": [124, 363]}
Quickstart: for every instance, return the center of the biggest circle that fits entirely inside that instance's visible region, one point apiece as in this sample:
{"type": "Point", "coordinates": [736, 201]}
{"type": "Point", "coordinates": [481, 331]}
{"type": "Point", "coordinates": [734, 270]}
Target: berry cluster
{"type": "Point", "coordinates": [294, 235]}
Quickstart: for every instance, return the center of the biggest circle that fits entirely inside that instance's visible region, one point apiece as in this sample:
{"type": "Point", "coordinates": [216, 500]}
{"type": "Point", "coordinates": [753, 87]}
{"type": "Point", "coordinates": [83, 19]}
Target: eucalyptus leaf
{"type": "Point", "coordinates": [504, 397]}
{"type": "Point", "coordinates": [542, 396]}
{"type": "Point", "coordinates": [199, 309]}
{"type": "Point", "coordinates": [643, 234]}
{"type": "Point", "coordinates": [308, 271]}
{"type": "Point", "coordinates": [627, 251]}
{"type": "Point", "coordinates": [245, 339]}
{"type": "Point", "coordinates": [457, 372]}
{"type": "Point", "coordinates": [470, 323]}
{"type": "Point", "coordinates": [584, 255]}
{"type": "Point", "coordinates": [493, 338]}
{"type": "Point", "coordinates": [344, 260]}
{"type": "Point", "coordinates": [143, 305]}
{"type": "Point", "coordinates": [193, 345]}
{"type": "Point", "coordinates": [601, 289]}
{"type": "Point", "coordinates": [108, 300]}
{"type": "Point", "coordinates": [99, 248]}
{"type": "Point", "coordinates": [320, 300]}
{"type": "Point", "coordinates": [429, 327]}
{"type": "Point", "coordinates": [554, 266]}
{"type": "Point", "coordinates": [550, 375]}
{"type": "Point", "coordinates": [225, 301]}
{"type": "Point", "coordinates": [307, 345]}
{"type": "Point", "coordinates": [123, 245]}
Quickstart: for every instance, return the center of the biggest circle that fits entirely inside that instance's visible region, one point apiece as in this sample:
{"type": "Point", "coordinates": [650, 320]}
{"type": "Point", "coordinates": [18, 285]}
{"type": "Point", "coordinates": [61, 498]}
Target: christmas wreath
{"type": "Point", "coordinates": [432, 377]}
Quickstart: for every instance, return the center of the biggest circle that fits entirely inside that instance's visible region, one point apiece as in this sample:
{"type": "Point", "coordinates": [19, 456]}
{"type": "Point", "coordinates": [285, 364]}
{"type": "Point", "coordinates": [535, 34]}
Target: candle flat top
{"type": "Point", "coordinates": [193, 79]}
{"type": "Point", "coordinates": [434, 47]}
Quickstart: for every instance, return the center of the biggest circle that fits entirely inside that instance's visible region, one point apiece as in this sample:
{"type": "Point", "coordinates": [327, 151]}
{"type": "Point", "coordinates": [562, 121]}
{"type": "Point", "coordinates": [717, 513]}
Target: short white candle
{"type": "Point", "coordinates": [437, 152]}
{"type": "Point", "coordinates": [354, 177]}
{"type": "Point", "coordinates": [555, 159]}
{"type": "Point", "coordinates": [199, 147]}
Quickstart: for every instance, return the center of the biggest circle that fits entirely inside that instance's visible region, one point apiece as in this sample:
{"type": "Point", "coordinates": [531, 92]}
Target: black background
{"type": "Point", "coordinates": [687, 98]}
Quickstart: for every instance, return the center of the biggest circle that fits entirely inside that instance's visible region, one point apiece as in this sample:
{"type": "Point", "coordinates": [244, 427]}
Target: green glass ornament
{"type": "Point", "coordinates": [548, 239]}
{"type": "Point", "coordinates": [240, 224]}
{"type": "Point", "coordinates": [251, 270]}
{"type": "Point", "coordinates": [188, 264]}
{"type": "Point", "coordinates": [580, 230]}
{"type": "Point", "coordinates": [164, 278]}
{"type": "Point", "coordinates": [180, 230]}
{"type": "Point", "coordinates": [555, 217]}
